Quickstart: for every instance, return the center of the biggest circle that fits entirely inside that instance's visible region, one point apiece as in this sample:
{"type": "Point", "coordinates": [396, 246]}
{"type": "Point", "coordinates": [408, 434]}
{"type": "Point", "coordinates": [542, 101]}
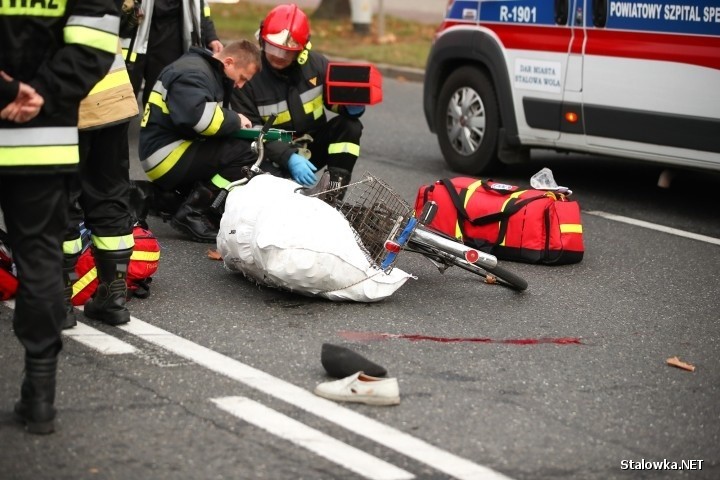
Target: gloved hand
{"type": "Point", "coordinates": [301, 170]}
{"type": "Point", "coordinates": [355, 110]}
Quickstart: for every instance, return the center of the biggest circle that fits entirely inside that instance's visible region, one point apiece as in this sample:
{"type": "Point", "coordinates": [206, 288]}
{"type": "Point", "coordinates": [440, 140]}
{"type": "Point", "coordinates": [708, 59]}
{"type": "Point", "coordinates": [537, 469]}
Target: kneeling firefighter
{"type": "Point", "coordinates": [291, 85]}
{"type": "Point", "coordinates": [186, 144]}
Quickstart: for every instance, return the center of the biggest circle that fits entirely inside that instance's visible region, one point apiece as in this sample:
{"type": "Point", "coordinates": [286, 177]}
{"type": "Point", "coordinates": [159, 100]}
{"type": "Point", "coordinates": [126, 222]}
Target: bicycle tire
{"type": "Point", "coordinates": [506, 277]}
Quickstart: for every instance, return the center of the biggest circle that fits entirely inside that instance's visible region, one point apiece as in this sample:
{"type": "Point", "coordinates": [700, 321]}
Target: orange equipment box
{"type": "Point", "coordinates": [353, 84]}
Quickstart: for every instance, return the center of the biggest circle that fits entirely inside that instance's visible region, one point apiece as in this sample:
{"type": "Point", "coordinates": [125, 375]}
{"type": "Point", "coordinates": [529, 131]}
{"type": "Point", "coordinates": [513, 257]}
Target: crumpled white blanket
{"type": "Point", "coordinates": [283, 239]}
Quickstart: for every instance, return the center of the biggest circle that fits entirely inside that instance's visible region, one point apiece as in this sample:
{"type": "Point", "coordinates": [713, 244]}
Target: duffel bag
{"type": "Point", "coordinates": [143, 265]}
{"type": "Point", "coordinates": [531, 226]}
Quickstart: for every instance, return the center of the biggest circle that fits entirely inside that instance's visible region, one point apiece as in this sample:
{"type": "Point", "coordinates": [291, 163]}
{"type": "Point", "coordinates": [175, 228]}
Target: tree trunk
{"type": "Point", "coordinates": [332, 9]}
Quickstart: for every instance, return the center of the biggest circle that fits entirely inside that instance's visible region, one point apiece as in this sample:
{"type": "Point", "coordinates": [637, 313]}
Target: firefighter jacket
{"type": "Point", "coordinates": [188, 103]}
{"type": "Point", "coordinates": [197, 26]}
{"type": "Point", "coordinates": [296, 95]}
{"type": "Point", "coordinates": [111, 101]}
{"type": "Point", "coordinates": [61, 48]}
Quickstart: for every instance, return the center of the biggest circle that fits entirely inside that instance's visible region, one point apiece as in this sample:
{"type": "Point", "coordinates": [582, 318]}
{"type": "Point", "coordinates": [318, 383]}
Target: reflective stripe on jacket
{"type": "Point", "coordinates": [185, 105]}
{"type": "Point", "coordinates": [194, 12]}
{"type": "Point", "coordinates": [111, 100]}
{"type": "Point", "coordinates": [62, 48]}
{"type": "Point", "coordinates": [269, 92]}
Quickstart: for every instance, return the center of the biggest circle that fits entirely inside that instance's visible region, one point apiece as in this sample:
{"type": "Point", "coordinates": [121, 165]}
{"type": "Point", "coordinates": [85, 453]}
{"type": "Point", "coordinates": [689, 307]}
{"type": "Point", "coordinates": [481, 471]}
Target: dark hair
{"type": "Point", "coordinates": [244, 52]}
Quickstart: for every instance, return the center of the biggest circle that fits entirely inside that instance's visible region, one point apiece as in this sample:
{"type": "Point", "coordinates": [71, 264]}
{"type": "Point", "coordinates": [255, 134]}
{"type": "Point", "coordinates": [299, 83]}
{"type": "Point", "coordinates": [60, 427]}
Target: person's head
{"type": "Point", "coordinates": [284, 33]}
{"type": "Point", "coordinates": [241, 61]}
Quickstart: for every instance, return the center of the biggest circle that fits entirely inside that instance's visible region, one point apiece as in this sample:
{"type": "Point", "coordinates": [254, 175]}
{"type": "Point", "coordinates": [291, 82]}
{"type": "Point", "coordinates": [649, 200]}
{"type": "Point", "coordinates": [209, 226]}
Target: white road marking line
{"type": "Point", "coordinates": [397, 440]}
{"type": "Point", "coordinates": [324, 445]}
{"type": "Point", "coordinates": [654, 226]}
{"type": "Point", "coordinates": [90, 337]}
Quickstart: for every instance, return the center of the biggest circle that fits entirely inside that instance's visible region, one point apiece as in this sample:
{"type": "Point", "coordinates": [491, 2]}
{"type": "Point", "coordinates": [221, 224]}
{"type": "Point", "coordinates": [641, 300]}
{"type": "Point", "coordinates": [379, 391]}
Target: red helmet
{"type": "Point", "coordinates": [286, 27]}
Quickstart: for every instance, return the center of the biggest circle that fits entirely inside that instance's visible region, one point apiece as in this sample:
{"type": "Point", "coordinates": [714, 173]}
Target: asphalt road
{"type": "Point", "coordinates": [468, 408]}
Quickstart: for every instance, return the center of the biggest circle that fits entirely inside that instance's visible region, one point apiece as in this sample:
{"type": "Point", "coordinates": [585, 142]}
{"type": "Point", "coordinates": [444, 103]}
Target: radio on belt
{"type": "Point", "coordinates": [353, 84]}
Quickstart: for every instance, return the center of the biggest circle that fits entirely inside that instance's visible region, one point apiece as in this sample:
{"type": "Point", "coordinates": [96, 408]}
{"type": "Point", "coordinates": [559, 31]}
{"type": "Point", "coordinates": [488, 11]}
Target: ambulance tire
{"type": "Point", "coordinates": [480, 154]}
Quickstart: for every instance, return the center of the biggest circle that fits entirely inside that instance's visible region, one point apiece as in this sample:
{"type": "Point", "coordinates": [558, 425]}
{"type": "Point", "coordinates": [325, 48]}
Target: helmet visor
{"type": "Point", "coordinates": [278, 52]}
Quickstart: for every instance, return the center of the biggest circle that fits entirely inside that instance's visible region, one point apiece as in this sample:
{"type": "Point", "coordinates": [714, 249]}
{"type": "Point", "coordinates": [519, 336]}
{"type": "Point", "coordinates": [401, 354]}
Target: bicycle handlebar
{"type": "Point", "coordinates": [254, 168]}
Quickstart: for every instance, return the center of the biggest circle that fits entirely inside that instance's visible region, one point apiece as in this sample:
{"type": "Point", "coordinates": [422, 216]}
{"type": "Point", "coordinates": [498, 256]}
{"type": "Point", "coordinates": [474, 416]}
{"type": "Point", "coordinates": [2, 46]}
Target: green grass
{"type": "Point", "coordinates": [406, 43]}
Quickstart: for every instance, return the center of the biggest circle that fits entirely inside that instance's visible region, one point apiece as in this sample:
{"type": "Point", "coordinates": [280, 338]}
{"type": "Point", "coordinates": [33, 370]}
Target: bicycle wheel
{"type": "Point", "coordinates": [506, 278]}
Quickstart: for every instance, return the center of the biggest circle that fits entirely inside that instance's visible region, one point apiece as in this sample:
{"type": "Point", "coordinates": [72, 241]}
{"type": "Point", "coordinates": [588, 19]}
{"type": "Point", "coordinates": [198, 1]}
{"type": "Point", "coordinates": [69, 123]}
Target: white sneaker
{"type": "Point", "coordinates": [361, 388]}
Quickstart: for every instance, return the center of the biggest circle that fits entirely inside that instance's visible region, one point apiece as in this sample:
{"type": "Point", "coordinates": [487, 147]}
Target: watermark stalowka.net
{"type": "Point", "coordinates": [661, 464]}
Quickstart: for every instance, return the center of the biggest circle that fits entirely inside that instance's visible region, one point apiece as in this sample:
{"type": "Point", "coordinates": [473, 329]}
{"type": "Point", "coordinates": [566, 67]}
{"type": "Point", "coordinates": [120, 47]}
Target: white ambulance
{"type": "Point", "coordinates": [635, 79]}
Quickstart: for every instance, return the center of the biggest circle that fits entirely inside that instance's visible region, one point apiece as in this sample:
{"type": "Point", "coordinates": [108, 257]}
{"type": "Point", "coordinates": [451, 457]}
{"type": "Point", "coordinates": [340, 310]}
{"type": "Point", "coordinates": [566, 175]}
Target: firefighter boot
{"type": "Point", "coordinates": [108, 303]}
{"type": "Point", "coordinates": [146, 198]}
{"type": "Point", "coordinates": [69, 277]}
{"type": "Point", "coordinates": [37, 395]}
{"type": "Point", "coordinates": [339, 177]}
{"type": "Point", "coordinates": [194, 217]}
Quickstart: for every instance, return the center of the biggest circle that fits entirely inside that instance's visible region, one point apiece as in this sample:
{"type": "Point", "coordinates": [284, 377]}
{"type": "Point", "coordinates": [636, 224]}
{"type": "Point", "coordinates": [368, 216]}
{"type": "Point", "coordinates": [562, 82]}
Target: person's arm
{"type": "Point", "coordinates": [191, 105]}
{"type": "Point", "coordinates": [243, 101]}
{"type": "Point", "coordinates": [209, 36]}
{"type": "Point", "coordinates": [91, 36]}
{"type": "Point", "coordinates": [9, 90]}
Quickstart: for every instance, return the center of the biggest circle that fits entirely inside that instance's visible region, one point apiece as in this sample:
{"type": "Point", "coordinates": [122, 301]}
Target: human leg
{"type": "Point", "coordinates": [104, 199]}
{"type": "Point", "coordinates": [35, 212]}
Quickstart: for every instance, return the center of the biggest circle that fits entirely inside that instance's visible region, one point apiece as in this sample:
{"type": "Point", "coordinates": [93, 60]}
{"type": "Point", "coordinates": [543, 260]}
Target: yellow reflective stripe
{"type": "Point", "coordinates": [344, 147]}
{"type": "Point", "coordinates": [219, 181]}
{"type": "Point", "coordinates": [122, 242]}
{"type": "Point", "coordinates": [111, 80]}
{"type": "Point", "coordinates": [107, 42]}
{"type": "Point", "coordinates": [282, 117]}
{"type": "Point", "coordinates": [470, 191]}
{"type": "Point", "coordinates": [84, 281]}
{"type": "Point", "coordinates": [37, 9]}
{"type": "Point", "coordinates": [206, 10]}
{"type": "Point", "coordinates": [43, 155]}
{"type": "Point", "coordinates": [157, 100]}
{"type": "Point", "coordinates": [315, 106]}
{"type": "Point", "coordinates": [216, 123]}
{"type": "Point", "coordinates": [71, 247]}
{"type": "Point", "coordinates": [570, 228]}
{"type": "Point", "coordinates": [145, 256]}
{"type": "Point", "coordinates": [164, 166]}
{"type": "Point", "coordinates": [502, 209]}
{"type": "Point", "coordinates": [133, 57]}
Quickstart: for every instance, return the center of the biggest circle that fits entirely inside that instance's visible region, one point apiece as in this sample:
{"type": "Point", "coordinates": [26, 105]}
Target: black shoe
{"type": "Point", "coordinates": [341, 362]}
{"type": "Point", "coordinates": [37, 396]}
{"type": "Point", "coordinates": [108, 303]}
{"type": "Point", "coordinates": [195, 225]}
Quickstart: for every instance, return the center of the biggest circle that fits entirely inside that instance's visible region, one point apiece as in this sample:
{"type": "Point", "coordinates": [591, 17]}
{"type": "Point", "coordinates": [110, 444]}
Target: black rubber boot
{"type": "Point", "coordinates": [195, 216]}
{"type": "Point", "coordinates": [69, 277]}
{"type": "Point", "coordinates": [146, 198]}
{"type": "Point", "coordinates": [37, 395]}
{"type": "Point", "coordinates": [108, 303]}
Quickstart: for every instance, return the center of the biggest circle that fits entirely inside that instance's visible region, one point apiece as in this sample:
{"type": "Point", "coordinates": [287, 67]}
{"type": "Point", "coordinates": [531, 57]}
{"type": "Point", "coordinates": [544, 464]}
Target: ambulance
{"type": "Point", "coordinates": [632, 79]}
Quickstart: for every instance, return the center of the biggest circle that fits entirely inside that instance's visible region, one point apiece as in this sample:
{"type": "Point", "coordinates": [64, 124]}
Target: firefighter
{"type": "Point", "coordinates": [60, 50]}
{"type": "Point", "coordinates": [186, 134]}
{"type": "Point", "coordinates": [100, 197]}
{"type": "Point", "coordinates": [291, 85]}
{"type": "Point", "coordinates": [161, 32]}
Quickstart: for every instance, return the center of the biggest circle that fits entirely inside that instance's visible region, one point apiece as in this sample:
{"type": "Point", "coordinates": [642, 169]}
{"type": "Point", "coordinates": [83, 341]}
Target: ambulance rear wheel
{"type": "Point", "coordinates": [467, 122]}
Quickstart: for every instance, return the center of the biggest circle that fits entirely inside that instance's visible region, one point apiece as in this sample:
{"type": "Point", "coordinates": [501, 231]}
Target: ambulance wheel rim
{"type": "Point", "coordinates": [465, 121]}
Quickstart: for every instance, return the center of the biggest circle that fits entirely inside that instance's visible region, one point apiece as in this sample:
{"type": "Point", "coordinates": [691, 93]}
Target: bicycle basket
{"type": "Point", "coordinates": [374, 211]}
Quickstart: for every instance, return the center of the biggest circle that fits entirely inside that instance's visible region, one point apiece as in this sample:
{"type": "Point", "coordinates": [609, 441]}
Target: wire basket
{"type": "Point", "coordinates": [374, 211]}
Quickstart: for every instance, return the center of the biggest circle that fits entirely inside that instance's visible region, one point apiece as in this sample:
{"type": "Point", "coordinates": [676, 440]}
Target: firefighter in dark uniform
{"type": "Point", "coordinates": [291, 85]}
{"type": "Point", "coordinates": [186, 142]}
{"type": "Point", "coordinates": [60, 49]}
{"type": "Point", "coordinates": [100, 197]}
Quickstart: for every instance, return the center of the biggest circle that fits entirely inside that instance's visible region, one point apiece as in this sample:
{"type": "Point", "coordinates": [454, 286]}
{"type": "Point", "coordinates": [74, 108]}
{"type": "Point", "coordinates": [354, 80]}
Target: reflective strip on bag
{"type": "Point", "coordinates": [571, 228]}
{"type": "Point", "coordinates": [145, 256]}
{"type": "Point", "coordinates": [84, 281]}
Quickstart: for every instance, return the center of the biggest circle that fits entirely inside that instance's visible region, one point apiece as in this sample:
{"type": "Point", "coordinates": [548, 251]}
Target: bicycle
{"type": "Point", "coordinates": [385, 225]}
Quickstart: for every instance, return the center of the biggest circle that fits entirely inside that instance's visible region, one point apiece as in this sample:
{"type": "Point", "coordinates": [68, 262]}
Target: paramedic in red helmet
{"type": "Point", "coordinates": [291, 84]}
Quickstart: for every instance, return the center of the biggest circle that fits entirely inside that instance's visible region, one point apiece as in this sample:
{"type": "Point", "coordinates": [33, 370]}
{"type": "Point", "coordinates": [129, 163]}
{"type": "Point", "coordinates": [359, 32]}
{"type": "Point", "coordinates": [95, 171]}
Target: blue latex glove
{"type": "Point", "coordinates": [301, 170]}
{"type": "Point", "coordinates": [355, 110]}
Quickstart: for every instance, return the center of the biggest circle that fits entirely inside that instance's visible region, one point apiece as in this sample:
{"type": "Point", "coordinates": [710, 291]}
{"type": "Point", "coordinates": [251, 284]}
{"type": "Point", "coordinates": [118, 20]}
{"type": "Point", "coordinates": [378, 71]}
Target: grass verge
{"type": "Point", "coordinates": [405, 43]}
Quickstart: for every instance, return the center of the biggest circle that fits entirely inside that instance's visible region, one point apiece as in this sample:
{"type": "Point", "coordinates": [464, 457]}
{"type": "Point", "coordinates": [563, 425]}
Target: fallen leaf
{"type": "Point", "coordinates": [676, 362]}
{"type": "Point", "coordinates": [213, 254]}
